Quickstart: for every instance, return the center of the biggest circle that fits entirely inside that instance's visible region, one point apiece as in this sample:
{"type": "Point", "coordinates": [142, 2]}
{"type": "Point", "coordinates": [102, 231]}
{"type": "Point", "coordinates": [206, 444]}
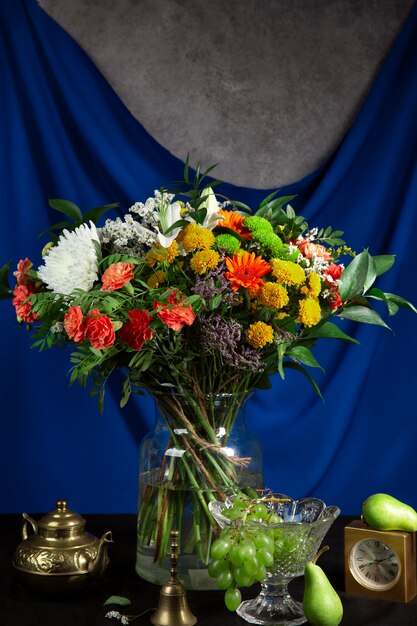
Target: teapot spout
{"type": "Point", "coordinates": [97, 566]}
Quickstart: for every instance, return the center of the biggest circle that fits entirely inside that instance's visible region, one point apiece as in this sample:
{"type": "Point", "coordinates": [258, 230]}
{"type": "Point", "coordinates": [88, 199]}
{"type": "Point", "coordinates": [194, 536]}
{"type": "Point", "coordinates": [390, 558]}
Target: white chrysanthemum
{"type": "Point", "coordinates": [72, 263]}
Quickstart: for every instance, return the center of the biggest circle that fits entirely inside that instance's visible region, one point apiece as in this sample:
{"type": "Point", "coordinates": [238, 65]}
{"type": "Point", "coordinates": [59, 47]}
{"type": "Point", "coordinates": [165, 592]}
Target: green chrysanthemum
{"type": "Point", "coordinates": [284, 253]}
{"type": "Point", "coordinates": [255, 224]}
{"type": "Point", "coordinates": [229, 242]}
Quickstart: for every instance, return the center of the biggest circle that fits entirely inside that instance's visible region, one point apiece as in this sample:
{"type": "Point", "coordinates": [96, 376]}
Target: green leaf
{"type": "Point", "coordinates": [391, 297]}
{"type": "Point", "coordinates": [295, 366]}
{"type": "Point", "coordinates": [267, 199]}
{"type": "Point", "coordinates": [383, 263]}
{"type": "Point", "coordinates": [96, 352]}
{"type": "Point", "coordinates": [377, 294]}
{"type": "Point", "coordinates": [177, 224]}
{"type": "Point", "coordinates": [290, 212]}
{"type": "Point", "coordinates": [215, 302]}
{"type": "Point", "coordinates": [364, 315]}
{"type": "Point", "coordinates": [278, 203]}
{"type": "Point", "coordinates": [120, 600]}
{"type": "Point", "coordinates": [200, 215]}
{"type": "Point", "coordinates": [97, 212]}
{"type": "Point", "coordinates": [305, 356]}
{"type": "Point", "coordinates": [330, 331]}
{"type": "Point", "coordinates": [58, 226]}
{"type": "Point", "coordinates": [187, 169]}
{"type": "Point", "coordinates": [67, 207]}
{"type": "Point", "coordinates": [263, 382]}
{"type": "Point", "coordinates": [242, 206]}
{"type": "Point", "coordinates": [5, 289]}
{"type": "Point", "coordinates": [355, 276]}
{"type": "Point", "coordinates": [280, 359]}
{"type": "Point", "coordinates": [228, 231]}
{"type": "Point", "coordinates": [193, 299]}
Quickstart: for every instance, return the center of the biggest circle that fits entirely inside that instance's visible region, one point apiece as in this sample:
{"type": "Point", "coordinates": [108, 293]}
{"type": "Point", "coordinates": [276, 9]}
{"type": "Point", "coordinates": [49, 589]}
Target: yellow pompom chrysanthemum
{"type": "Point", "coordinates": [204, 260]}
{"type": "Point", "coordinates": [309, 313]}
{"type": "Point", "coordinates": [196, 237]}
{"type": "Point", "coordinates": [259, 334]}
{"type": "Point", "coordinates": [274, 296]}
{"type": "Point", "coordinates": [158, 254]}
{"type": "Point", "coordinates": [156, 279]}
{"type": "Point", "coordinates": [287, 272]}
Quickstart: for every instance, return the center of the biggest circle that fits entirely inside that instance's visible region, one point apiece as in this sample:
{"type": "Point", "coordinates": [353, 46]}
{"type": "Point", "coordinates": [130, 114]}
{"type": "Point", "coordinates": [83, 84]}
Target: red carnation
{"type": "Point", "coordinates": [136, 331]}
{"type": "Point", "coordinates": [334, 271]}
{"type": "Point", "coordinates": [335, 299]}
{"type": "Point", "coordinates": [74, 324]}
{"type": "Point", "coordinates": [24, 309]}
{"type": "Point", "coordinates": [117, 275]}
{"type": "Point", "coordinates": [99, 330]}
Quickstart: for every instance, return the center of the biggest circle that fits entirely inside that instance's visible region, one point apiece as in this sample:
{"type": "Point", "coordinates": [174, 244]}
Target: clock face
{"type": "Point", "coordinates": [374, 564]}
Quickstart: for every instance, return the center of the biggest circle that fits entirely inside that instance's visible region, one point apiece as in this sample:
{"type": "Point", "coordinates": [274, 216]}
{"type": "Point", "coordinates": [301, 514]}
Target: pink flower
{"type": "Point", "coordinates": [74, 324]}
{"type": "Point", "coordinates": [136, 331]}
{"type": "Point", "coordinates": [99, 330]}
{"type": "Point", "coordinates": [117, 275]}
{"type": "Point", "coordinates": [24, 309]}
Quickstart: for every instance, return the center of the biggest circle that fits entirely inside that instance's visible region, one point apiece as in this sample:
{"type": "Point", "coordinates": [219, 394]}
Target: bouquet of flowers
{"type": "Point", "coordinates": [199, 295]}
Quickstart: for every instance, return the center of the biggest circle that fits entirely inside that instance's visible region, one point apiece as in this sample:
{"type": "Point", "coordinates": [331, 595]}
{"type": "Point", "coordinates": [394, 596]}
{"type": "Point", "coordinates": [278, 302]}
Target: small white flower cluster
{"type": "Point", "coordinates": [316, 264]}
{"type": "Point", "coordinates": [126, 236]}
{"type": "Point", "coordinates": [149, 211]}
{"type": "Point", "coordinates": [58, 327]}
{"type": "Point", "coordinates": [311, 234]}
{"type": "Point", "coordinates": [117, 616]}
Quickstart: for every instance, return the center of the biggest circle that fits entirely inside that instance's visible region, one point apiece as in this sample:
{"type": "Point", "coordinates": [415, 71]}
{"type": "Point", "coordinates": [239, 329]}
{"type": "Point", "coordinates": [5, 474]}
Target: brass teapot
{"type": "Point", "coordinates": [59, 556]}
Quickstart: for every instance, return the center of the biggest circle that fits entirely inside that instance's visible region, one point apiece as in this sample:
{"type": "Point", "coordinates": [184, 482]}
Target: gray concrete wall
{"type": "Point", "coordinates": [267, 88]}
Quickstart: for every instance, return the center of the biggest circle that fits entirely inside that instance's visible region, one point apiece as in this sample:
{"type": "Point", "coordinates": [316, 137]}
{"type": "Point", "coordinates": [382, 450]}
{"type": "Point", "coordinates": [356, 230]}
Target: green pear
{"type": "Point", "coordinates": [383, 512]}
{"type": "Point", "coordinates": [321, 604]}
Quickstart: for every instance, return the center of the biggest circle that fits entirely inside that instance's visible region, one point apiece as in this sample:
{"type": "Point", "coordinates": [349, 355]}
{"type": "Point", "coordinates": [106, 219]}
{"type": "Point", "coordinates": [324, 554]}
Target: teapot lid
{"type": "Point", "coordinates": [61, 517]}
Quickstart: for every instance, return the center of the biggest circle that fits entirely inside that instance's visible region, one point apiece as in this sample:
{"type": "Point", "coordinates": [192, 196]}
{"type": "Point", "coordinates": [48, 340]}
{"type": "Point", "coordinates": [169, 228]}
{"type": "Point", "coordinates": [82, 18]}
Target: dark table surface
{"type": "Point", "coordinates": [19, 607]}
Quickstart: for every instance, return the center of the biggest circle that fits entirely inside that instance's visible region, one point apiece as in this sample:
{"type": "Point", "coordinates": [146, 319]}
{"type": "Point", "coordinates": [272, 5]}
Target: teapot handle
{"type": "Point", "coordinates": [32, 522]}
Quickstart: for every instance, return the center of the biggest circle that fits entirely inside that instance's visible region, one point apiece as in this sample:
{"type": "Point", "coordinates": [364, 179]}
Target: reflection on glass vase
{"type": "Point", "coordinates": [199, 451]}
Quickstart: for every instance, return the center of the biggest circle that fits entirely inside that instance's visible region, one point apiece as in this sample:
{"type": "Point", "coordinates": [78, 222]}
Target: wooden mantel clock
{"type": "Point", "coordinates": [380, 563]}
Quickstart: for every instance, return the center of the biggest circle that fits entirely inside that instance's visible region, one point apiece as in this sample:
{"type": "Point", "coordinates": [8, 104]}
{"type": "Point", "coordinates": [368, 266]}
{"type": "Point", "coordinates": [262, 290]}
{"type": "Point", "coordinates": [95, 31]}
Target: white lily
{"type": "Point", "coordinates": [210, 203]}
{"type": "Point", "coordinates": [168, 215]}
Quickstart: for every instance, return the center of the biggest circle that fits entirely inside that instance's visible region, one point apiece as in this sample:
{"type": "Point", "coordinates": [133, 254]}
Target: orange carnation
{"type": "Point", "coordinates": [74, 324]}
{"type": "Point", "coordinates": [117, 275]}
{"type": "Point", "coordinates": [22, 272]}
{"type": "Point", "coordinates": [246, 270]}
{"type": "Point", "coordinates": [177, 313]}
{"type": "Point", "coordinates": [24, 309]}
{"type": "Point", "coordinates": [308, 249]}
{"type": "Point", "coordinates": [99, 330]}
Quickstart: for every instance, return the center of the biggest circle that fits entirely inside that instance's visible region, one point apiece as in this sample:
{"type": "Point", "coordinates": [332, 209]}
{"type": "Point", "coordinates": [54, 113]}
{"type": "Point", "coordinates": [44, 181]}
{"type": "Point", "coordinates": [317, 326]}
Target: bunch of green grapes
{"type": "Point", "coordinates": [243, 551]}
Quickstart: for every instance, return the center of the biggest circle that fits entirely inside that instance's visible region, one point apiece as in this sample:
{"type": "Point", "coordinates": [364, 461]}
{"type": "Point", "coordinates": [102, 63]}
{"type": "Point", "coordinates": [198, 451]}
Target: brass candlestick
{"type": "Point", "coordinates": [173, 608]}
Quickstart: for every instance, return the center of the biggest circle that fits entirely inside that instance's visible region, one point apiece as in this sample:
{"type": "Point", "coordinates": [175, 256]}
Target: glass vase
{"type": "Point", "coordinates": [199, 451]}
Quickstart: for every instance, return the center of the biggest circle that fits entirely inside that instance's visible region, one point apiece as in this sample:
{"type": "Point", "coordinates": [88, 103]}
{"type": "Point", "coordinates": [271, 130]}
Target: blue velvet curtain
{"type": "Point", "coordinates": [64, 133]}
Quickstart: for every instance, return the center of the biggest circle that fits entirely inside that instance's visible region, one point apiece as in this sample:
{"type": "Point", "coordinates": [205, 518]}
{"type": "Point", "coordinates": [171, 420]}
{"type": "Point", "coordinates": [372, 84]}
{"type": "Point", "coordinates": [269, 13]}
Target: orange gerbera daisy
{"type": "Point", "coordinates": [234, 221]}
{"type": "Point", "coordinates": [246, 270]}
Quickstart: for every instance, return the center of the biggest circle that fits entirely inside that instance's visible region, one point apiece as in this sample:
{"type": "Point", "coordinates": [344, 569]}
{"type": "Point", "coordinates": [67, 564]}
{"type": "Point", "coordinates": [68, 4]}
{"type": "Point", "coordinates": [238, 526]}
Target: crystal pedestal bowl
{"type": "Point", "coordinates": [297, 539]}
